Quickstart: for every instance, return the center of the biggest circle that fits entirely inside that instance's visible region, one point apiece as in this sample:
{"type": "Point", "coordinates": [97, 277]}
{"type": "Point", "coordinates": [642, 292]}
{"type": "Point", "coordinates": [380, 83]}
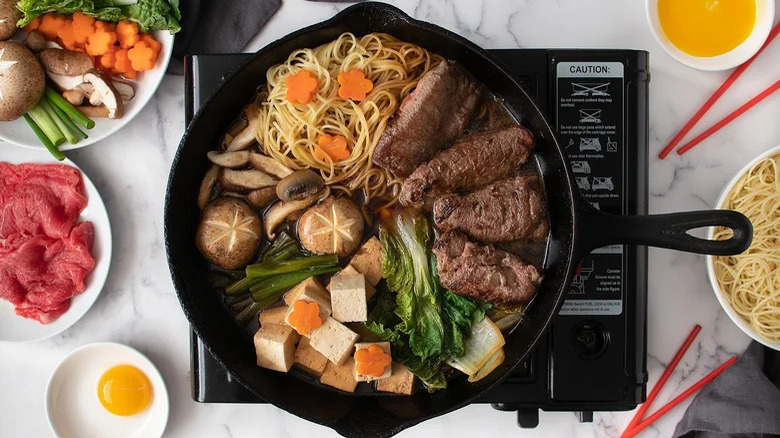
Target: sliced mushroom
{"type": "Point", "coordinates": [247, 136]}
{"type": "Point", "coordinates": [262, 198]}
{"type": "Point", "coordinates": [269, 165]}
{"type": "Point", "coordinates": [298, 185]}
{"type": "Point", "coordinates": [35, 41]}
{"type": "Point", "coordinates": [53, 45]}
{"type": "Point", "coordinates": [65, 82]}
{"type": "Point", "coordinates": [97, 112]}
{"type": "Point", "coordinates": [229, 159]}
{"type": "Point", "coordinates": [207, 186]}
{"type": "Point", "coordinates": [125, 90]}
{"type": "Point", "coordinates": [281, 210]}
{"type": "Point", "coordinates": [245, 179]}
{"type": "Point", "coordinates": [74, 97]}
{"type": "Point", "coordinates": [104, 88]}
{"type": "Point", "coordinates": [95, 99]}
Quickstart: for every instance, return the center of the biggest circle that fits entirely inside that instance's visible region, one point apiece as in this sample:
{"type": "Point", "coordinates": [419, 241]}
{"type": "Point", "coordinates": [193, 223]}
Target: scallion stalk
{"type": "Point", "coordinates": [43, 138]}
{"type": "Point", "coordinates": [47, 125]}
{"type": "Point", "coordinates": [69, 135]}
{"type": "Point", "coordinates": [275, 268]}
{"type": "Point", "coordinates": [69, 109]}
{"type": "Point", "coordinates": [72, 126]}
{"type": "Point", "coordinates": [273, 287]}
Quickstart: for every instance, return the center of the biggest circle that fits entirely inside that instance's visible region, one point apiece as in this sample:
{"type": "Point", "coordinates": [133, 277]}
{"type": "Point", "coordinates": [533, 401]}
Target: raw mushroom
{"type": "Point", "coordinates": [246, 137]}
{"type": "Point", "coordinates": [64, 83]}
{"type": "Point", "coordinates": [229, 159]}
{"type": "Point", "coordinates": [334, 226]}
{"type": "Point", "coordinates": [9, 15]}
{"type": "Point", "coordinates": [242, 180]}
{"type": "Point", "coordinates": [105, 93]}
{"type": "Point", "coordinates": [229, 233]}
{"type": "Point", "coordinates": [207, 186]}
{"type": "Point", "coordinates": [94, 112]}
{"type": "Point", "coordinates": [125, 90]}
{"type": "Point", "coordinates": [269, 165]}
{"type": "Point", "coordinates": [262, 198]}
{"type": "Point", "coordinates": [74, 97]}
{"type": "Point", "coordinates": [279, 212]}
{"type": "Point", "coordinates": [65, 62]}
{"type": "Point", "coordinates": [298, 185]}
{"type": "Point", "coordinates": [22, 80]}
{"type": "Point", "coordinates": [35, 41]}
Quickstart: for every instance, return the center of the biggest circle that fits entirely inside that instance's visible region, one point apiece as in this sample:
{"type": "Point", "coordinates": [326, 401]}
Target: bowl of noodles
{"type": "Point", "coordinates": [748, 285]}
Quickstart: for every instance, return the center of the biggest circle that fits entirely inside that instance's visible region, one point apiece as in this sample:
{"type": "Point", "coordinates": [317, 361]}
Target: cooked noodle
{"type": "Point", "coordinates": [289, 131]}
{"type": "Point", "coordinates": [751, 281]}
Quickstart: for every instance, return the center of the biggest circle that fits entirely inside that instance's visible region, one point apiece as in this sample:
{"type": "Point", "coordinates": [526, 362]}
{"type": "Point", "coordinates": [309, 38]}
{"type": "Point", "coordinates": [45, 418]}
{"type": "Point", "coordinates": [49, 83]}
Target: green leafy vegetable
{"type": "Point", "coordinates": [149, 14]}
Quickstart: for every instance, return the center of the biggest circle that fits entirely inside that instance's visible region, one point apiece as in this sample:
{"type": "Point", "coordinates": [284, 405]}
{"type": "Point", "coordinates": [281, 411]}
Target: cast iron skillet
{"type": "Point", "coordinates": [576, 228]}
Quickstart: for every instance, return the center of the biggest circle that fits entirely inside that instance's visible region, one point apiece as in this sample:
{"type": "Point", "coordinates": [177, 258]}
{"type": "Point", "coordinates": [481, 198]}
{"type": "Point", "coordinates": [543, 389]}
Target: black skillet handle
{"type": "Point", "coordinates": [669, 231]}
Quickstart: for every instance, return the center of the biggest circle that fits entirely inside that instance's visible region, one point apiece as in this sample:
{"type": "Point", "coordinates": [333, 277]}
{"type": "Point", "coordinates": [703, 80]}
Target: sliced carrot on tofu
{"type": "Point", "coordinates": [100, 42]}
{"type": "Point", "coordinates": [127, 33]}
{"type": "Point", "coordinates": [333, 146]}
{"type": "Point", "coordinates": [50, 24]}
{"type": "Point", "coordinates": [301, 87]}
{"type": "Point", "coordinates": [142, 57]}
{"type": "Point", "coordinates": [83, 27]}
{"type": "Point", "coordinates": [305, 317]}
{"type": "Point", "coordinates": [153, 43]}
{"type": "Point", "coordinates": [372, 361]}
{"type": "Point", "coordinates": [67, 35]}
{"type": "Point", "coordinates": [34, 24]}
{"type": "Point", "coordinates": [354, 85]}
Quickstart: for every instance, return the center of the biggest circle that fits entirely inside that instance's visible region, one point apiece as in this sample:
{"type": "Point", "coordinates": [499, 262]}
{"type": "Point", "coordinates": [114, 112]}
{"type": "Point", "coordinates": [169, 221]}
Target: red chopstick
{"type": "Point", "coordinates": [677, 400]}
{"type": "Point", "coordinates": [664, 377]}
{"type": "Point", "coordinates": [717, 94]}
{"type": "Point", "coordinates": [726, 120]}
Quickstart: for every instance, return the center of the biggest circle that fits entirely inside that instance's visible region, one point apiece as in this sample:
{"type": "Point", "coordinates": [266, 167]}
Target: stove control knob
{"type": "Point", "coordinates": [589, 340]}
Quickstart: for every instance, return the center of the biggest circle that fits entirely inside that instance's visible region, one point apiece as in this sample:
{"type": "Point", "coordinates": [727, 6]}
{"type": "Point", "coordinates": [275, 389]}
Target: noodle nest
{"type": "Point", "coordinates": [750, 281]}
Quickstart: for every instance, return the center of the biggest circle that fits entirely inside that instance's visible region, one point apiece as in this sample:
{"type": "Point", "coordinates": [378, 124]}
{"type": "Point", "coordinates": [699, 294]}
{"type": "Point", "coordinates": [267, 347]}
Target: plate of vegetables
{"type": "Point", "coordinates": [73, 74]}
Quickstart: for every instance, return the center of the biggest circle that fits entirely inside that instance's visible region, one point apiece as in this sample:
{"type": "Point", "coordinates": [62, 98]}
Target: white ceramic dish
{"type": "Point", "coordinates": [765, 15]}
{"type": "Point", "coordinates": [14, 328]}
{"type": "Point", "coordinates": [738, 320]}
{"type": "Point", "coordinates": [19, 133]}
{"type": "Point", "coordinates": [72, 405]}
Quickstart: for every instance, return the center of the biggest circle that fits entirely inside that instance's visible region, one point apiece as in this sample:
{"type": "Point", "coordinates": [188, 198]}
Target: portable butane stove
{"type": "Point", "coordinates": [594, 356]}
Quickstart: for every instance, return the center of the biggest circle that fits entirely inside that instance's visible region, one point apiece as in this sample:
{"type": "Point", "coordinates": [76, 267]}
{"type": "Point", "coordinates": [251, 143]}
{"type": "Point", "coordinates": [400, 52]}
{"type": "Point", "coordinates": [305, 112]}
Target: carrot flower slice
{"type": "Point", "coordinates": [354, 85]}
{"type": "Point", "coordinates": [333, 146]}
{"type": "Point", "coordinates": [305, 317]}
{"type": "Point", "coordinates": [372, 361]}
{"type": "Point", "coordinates": [301, 87]}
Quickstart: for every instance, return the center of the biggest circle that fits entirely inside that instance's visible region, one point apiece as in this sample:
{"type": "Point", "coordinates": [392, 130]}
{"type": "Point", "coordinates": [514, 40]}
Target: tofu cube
{"type": "Point", "coordinates": [368, 260]}
{"type": "Point", "coordinates": [349, 270]}
{"type": "Point", "coordinates": [333, 340]}
{"type": "Point", "coordinates": [312, 293]}
{"type": "Point", "coordinates": [401, 381]}
{"type": "Point", "coordinates": [275, 347]}
{"type": "Point", "coordinates": [274, 315]}
{"type": "Point", "coordinates": [340, 376]}
{"type": "Point", "coordinates": [311, 284]}
{"type": "Point", "coordinates": [348, 298]}
{"type": "Point", "coordinates": [367, 377]}
{"type": "Point", "coordinates": [309, 359]}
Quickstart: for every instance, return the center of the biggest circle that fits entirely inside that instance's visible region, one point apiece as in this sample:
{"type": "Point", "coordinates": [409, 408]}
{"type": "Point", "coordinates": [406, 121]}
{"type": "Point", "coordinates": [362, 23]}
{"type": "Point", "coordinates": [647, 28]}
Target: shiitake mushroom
{"type": "Point", "coordinates": [229, 233]}
{"type": "Point", "coordinates": [299, 185]}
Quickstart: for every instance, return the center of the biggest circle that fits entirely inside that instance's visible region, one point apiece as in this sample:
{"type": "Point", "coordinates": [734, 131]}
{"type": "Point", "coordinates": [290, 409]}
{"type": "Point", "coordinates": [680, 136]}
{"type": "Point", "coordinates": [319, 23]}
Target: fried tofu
{"type": "Point", "coordinates": [385, 346]}
{"type": "Point", "coordinates": [275, 347]}
{"type": "Point", "coordinates": [311, 284]}
{"type": "Point", "coordinates": [348, 298]}
{"type": "Point", "coordinates": [368, 260]}
{"type": "Point", "coordinates": [401, 380]}
{"type": "Point", "coordinates": [340, 376]}
{"type": "Point", "coordinates": [333, 340]}
{"type": "Point", "coordinates": [312, 293]}
{"type": "Point", "coordinates": [308, 359]}
{"type": "Point", "coordinates": [349, 270]}
{"type": "Point", "coordinates": [274, 315]}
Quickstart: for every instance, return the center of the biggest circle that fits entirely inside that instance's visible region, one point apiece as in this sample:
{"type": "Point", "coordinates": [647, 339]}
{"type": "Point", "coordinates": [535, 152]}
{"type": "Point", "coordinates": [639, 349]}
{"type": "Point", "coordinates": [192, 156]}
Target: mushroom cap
{"type": "Point", "coordinates": [334, 226]}
{"type": "Point", "coordinates": [298, 185]}
{"type": "Point", "coordinates": [65, 62]}
{"type": "Point", "coordinates": [229, 233]}
{"type": "Point", "coordinates": [9, 15]}
{"type": "Point", "coordinates": [22, 80]}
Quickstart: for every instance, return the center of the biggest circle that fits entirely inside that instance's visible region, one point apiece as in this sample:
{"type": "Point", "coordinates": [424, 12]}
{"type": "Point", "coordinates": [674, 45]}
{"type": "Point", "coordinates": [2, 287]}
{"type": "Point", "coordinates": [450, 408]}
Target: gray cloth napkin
{"type": "Point", "coordinates": [742, 402]}
{"type": "Point", "coordinates": [219, 26]}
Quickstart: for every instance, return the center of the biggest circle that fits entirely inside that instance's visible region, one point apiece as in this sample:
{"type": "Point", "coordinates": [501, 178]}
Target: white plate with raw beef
{"type": "Point", "coordinates": [55, 242]}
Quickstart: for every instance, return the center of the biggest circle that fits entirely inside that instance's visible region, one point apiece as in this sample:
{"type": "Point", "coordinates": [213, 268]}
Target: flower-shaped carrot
{"type": "Point", "coordinates": [305, 317]}
{"type": "Point", "coordinates": [100, 42]}
{"type": "Point", "coordinates": [354, 85]}
{"type": "Point", "coordinates": [50, 24]}
{"type": "Point", "coordinates": [333, 146]}
{"type": "Point", "coordinates": [142, 57]}
{"type": "Point", "coordinates": [127, 33]}
{"type": "Point", "coordinates": [34, 24]}
{"type": "Point", "coordinates": [301, 87]}
{"type": "Point", "coordinates": [67, 34]}
{"type": "Point", "coordinates": [83, 27]}
{"type": "Point", "coordinates": [372, 361]}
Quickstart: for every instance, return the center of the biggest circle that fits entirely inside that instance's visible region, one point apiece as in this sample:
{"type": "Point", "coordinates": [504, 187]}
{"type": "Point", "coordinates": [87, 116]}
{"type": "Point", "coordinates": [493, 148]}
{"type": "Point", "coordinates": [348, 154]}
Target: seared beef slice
{"type": "Point", "coordinates": [510, 209]}
{"type": "Point", "coordinates": [435, 114]}
{"type": "Point", "coordinates": [484, 272]}
{"type": "Point", "coordinates": [471, 163]}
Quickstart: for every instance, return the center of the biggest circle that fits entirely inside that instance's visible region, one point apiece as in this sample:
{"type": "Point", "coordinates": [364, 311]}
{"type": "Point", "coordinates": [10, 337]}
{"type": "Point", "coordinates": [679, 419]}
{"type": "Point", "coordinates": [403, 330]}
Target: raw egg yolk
{"type": "Point", "coordinates": [707, 27]}
{"type": "Point", "coordinates": [124, 390]}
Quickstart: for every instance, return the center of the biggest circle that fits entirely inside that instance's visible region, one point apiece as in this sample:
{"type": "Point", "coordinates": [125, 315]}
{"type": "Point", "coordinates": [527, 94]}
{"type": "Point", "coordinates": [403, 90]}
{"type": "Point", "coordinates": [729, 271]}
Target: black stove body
{"type": "Point", "coordinates": [594, 356]}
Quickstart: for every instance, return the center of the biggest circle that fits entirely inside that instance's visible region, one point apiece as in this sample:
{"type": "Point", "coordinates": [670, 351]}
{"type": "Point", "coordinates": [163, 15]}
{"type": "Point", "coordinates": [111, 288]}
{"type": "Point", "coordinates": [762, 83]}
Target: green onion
{"type": "Point", "coordinates": [274, 268]}
{"type": "Point", "coordinates": [47, 125]}
{"type": "Point", "coordinates": [43, 138]}
{"type": "Point", "coordinates": [272, 288]}
{"type": "Point", "coordinates": [283, 248]}
{"type": "Point", "coordinates": [242, 285]}
{"type": "Point", "coordinates": [72, 126]}
{"type": "Point", "coordinates": [69, 109]}
{"type": "Point", "coordinates": [69, 135]}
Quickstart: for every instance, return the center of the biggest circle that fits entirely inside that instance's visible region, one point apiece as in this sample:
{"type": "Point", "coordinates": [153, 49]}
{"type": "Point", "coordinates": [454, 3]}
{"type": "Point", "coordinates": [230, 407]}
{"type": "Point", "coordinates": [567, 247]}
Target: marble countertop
{"type": "Point", "coordinates": [139, 307]}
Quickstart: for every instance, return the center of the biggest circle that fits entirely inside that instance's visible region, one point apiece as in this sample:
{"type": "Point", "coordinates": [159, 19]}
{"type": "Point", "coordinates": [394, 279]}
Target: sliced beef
{"type": "Point", "coordinates": [484, 272]}
{"type": "Point", "coordinates": [472, 162]}
{"type": "Point", "coordinates": [510, 209]}
{"type": "Point", "coordinates": [437, 112]}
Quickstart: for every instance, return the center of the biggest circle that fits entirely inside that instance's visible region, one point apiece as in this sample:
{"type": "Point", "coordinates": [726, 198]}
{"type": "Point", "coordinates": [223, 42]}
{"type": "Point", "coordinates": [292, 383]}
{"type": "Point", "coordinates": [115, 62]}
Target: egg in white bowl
{"type": "Point", "coordinates": [107, 389]}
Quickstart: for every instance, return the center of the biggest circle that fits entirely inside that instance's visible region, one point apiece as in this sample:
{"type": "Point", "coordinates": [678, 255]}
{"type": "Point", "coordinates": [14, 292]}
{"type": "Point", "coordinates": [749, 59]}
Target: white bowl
{"type": "Point", "coordinates": [19, 133]}
{"type": "Point", "coordinates": [738, 320]}
{"type": "Point", "coordinates": [72, 405]}
{"type": "Point", "coordinates": [765, 15]}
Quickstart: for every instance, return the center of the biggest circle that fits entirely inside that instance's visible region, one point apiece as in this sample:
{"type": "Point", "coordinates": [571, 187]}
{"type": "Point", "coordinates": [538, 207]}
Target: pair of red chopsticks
{"type": "Point", "coordinates": [715, 96]}
{"type": "Point", "coordinates": [637, 424]}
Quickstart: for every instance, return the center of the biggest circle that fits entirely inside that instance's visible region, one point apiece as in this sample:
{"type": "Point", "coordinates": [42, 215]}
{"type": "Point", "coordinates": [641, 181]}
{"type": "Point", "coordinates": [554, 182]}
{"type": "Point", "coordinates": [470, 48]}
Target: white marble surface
{"type": "Point", "coordinates": [138, 305]}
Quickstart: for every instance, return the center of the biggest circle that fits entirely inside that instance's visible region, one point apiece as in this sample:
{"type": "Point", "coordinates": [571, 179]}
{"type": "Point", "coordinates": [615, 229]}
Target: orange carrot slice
{"type": "Point", "coordinates": [127, 33]}
{"type": "Point", "coordinates": [33, 25]}
{"type": "Point", "coordinates": [301, 87]}
{"type": "Point", "coordinates": [83, 27]}
{"type": "Point", "coordinates": [100, 42]}
{"type": "Point", "coordinates": [354, 85]}
{"type": "Point", "coordinates": [372, 361]}
{"type": "Point", "coordinates": [153, 43]}
{"type": "Point", "coordinates": [50, 24]}
{"type": "Point", "coordinates": [333, 146]}
{"type": "Point", "coordinates": [67, 35]}
{"type": "Point", "coordinates": [305, 317]}
{"type": "Point", "coordinates": [142, 57]}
